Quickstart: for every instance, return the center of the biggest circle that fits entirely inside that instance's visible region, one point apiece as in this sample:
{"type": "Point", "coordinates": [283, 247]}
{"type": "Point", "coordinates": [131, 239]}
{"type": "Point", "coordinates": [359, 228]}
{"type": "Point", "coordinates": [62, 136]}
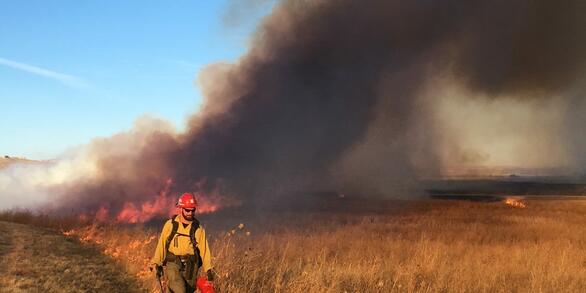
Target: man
{"type": "Point", "coordinates": [183, 248]}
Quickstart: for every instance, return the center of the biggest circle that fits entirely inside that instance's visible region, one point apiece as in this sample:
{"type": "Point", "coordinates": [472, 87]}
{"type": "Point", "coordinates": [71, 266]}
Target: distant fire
{"type": "Point", "coordinates": [161, 206]}
{"type": "Point", "coordinates": [517, 203]}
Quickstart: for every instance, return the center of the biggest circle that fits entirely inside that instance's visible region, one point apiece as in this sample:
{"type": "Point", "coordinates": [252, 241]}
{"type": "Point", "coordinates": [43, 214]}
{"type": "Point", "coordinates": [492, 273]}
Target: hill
{"type": "Point", "coordinates": [6, 161]}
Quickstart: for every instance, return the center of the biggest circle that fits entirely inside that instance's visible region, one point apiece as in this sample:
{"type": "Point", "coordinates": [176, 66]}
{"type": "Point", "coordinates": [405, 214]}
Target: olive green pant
{"type": "Point", "coordinates": [177, 281]}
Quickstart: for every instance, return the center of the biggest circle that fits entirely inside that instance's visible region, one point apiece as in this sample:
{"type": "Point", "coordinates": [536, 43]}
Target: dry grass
{"type": "Point", "coordinates": [430, 246]}
{"type": "Point", "coordinates": [132, 246]}
{"type": "Point", "coordinates": [34, 259]}
{"type": "Point", "coordinates": [27, 217]}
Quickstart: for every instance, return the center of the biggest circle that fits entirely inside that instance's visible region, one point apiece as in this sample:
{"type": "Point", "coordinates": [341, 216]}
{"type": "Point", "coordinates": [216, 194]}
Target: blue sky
{"type": "Point", "coordinates": [74, 70]}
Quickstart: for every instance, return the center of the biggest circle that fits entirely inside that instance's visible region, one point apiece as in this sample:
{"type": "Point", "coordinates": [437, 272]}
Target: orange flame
{"type": "Point", "coordinates": [517, 203]}
{"type": "Point", "coordinates": [135, 249]}
{"type": "Point", "coordinates": [132, 250]}
{"type": "Point", "coordinates": [161, 206]}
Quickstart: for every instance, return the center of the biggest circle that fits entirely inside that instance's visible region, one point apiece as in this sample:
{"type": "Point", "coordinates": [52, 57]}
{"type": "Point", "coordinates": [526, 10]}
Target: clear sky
{"type": "Point", "coordinates": [74, 70]}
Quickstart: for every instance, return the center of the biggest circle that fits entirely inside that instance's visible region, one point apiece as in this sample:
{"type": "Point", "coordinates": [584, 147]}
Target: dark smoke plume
{"type": "Point", "coordinates": [328, 95]}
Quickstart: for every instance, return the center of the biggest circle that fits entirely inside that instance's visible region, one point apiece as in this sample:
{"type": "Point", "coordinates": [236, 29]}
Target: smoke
{"type": "Point", "coordinates": [505, 132]}
{"type": "Point", "coordinates": [130, 167]}
{"type": "Point", "coordinates": [339, 92]}
{"type": "Point", "coordinates": [28, 184]}
{"type": "Point", "coordinates": [239, 12]}
{"type": "Point", "coordinates": [345, 95]}
{"type": "Point", "coordinates": [574, 135]}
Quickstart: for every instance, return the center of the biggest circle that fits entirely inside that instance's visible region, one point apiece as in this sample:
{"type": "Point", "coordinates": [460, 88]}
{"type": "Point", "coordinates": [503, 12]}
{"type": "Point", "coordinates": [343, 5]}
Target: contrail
{"type": "Point", "coordinates": [65, 79]}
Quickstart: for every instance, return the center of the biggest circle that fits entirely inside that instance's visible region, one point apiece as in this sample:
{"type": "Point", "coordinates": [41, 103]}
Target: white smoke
{"type": "Point", "coordinates": [29, 185]}
{"type": "Point", "coordinates": [37, 184]}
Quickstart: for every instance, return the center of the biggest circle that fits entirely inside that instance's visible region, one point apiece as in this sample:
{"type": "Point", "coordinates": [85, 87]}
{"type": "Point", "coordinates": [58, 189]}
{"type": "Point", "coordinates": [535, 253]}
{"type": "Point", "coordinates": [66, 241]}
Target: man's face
{"type": "Point", "coordinates": [188, 214]}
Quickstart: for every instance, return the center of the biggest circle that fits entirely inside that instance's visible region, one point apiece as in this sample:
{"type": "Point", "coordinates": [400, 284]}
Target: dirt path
{"type": "Point", "coordinates": [34, 259]}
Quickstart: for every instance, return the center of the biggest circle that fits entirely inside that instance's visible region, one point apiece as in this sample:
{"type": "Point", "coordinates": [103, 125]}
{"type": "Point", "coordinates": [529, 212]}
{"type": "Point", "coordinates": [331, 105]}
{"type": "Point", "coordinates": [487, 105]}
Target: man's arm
{"type": "Point", "coordinates": [159, 256]}
{"type": "Point", "coordinates": [204, 250]}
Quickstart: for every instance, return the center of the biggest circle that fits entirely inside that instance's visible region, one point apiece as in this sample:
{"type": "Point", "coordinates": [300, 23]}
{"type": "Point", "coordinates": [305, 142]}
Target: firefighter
{"type": "Point", "coordinates": [183, 248]}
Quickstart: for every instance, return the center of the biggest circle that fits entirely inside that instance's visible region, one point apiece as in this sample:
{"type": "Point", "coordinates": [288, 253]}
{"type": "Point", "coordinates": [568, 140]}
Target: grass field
{"type": "Point", "coordinates": [35, 259]}
{"type": "Point", "coordinates": [427, 247]}
{"type": "Point", "coordinates": [423, 246]}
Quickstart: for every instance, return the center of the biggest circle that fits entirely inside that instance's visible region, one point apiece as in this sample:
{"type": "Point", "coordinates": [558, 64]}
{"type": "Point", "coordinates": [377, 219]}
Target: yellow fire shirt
{"type": "Point", "coordinates": [181, 243]}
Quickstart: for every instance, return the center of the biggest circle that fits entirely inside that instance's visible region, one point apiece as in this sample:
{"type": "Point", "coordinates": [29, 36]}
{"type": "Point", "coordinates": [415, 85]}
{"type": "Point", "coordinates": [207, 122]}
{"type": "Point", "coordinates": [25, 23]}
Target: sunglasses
{"type": "Point", "coordinates": [189, 210]}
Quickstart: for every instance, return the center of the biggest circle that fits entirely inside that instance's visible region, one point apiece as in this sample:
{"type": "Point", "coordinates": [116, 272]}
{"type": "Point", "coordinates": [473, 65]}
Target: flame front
{"type": "Point", "coordinates": [162, 206]}
{"type": "Point", "coordinates": [517, 203]}
{"type": "Point", "coordinates": [134, 250]}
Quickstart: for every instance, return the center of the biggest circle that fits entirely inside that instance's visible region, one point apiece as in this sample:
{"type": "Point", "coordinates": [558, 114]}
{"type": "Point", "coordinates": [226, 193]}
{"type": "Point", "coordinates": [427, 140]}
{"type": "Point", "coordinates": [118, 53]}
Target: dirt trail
{"type": "Point", "coordinates": [34, 259]}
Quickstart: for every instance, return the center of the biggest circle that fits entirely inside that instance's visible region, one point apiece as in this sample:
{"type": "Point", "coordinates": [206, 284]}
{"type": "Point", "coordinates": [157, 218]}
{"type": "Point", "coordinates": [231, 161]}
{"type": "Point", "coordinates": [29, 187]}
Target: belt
{"type": "Point", "coordinates": [171, 257]}
{"type": "Point", "coordinates": [186, 263]}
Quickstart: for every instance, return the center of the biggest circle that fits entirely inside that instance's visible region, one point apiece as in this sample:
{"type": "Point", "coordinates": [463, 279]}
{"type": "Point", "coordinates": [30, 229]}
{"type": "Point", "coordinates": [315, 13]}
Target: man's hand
{"type": "Point", "coordinates": [159, 271]}
{"type": "Point", "coordinates": [211, 275]}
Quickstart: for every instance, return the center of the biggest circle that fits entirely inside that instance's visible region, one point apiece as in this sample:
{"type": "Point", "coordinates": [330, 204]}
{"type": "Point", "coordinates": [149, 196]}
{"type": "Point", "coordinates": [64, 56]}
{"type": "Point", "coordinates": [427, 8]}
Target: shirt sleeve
{"type": "Point", "coordinates": [159, 256]}
{"type": "Point", "coordinates": [204, 250]}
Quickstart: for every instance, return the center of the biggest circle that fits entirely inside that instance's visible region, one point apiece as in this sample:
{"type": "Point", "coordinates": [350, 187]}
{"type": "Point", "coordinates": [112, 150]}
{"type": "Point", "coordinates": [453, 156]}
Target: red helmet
{"type": "Point", "coordinates": [187, 201]}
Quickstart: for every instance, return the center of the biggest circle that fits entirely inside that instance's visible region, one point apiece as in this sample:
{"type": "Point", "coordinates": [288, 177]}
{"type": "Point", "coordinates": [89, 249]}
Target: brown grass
{"type": "Point", "coordinates": [27, 217]}
{"type": "Point", "coordinates": [34, 259]}
{"type": "Point", "coordinates": [430, 246]}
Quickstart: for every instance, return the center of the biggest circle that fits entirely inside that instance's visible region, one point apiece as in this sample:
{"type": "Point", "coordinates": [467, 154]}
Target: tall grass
{"type": "Point", "coordinates": [426, 247]}
{"type": "Point", "coordinates": [435, 247]}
